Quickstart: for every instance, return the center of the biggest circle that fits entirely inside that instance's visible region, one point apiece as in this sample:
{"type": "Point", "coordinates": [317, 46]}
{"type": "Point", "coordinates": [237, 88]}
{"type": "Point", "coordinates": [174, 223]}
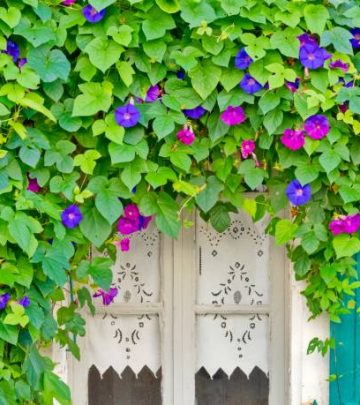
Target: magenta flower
{"type": "Point", "coordinates": [71, 216]}
{"type": "Point", "coordinates": [153, 94]}
{"type": "Point", "coordinates": [127, 116]}
{"type": "Point", "coordinates": [92, 15]}
{"type": "Point", "coordinates": [293, 139]}
{"type": "Point", "coordinates": [233, 115]}
{"type": "Point", "coordinates": [242, 59]}
{"type": "Point", "coordinates": [339, 64]}
{"type": "Point", "coordinates": [343, 108]}
{"type": "Point", "coordinates": [123, 244]}
{"type": "Point", "coordinates": [312, 56]}
{"type": "Point", "coordinates": [131, 211]}
{"type": "Point", "coordinates": [25, 301]}
{"type": "Point", "coordinates": [247, 148]}
{"type": "Point", "coordinates": [186, 136]}
{"type": "Point", "coordinates": [355, 40]}
{"type": "Point", "coordinates": [297, 193]}
{"type": "Point", "coordinates": [4, 299]}
{"type": "Point", "coordinates": [345, 224]}
{"type": "Point", "coordinates": [249, 84]}
{"type": "Point", "coordinates": [317, 126]}
{"type": "Point", "coordinates": [127, 226]}
{"type": "Point", "coordinates": [293, 86]}
{"type": "Point", "coordinates": [336, 226]}
{"type": "Point", "coordinates": [33, 185]}
{"type": "Point", "coordinates": [12, 49]}
{"type": "Point", "coordinates": [68, 2]}
{"type": "Point", "coordinates": [107, 296]}
{"type": "Point", "coordinates": [195, 113]}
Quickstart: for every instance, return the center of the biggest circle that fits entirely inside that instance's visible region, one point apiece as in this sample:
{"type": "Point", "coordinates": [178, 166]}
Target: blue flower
{"type": "Point", "coordinates": [71, 216]}
{"type": "Point", "coordinates": [298, 194]}
{"type": "Point", "coordinates": [242, 59]}
{"type": "Point", "coordinates": [92, 15]}
{"type": "Point", "coordinates": [127, 116]}
{"type": "Point", "coordinates": [355, 40]}
{"type": "Point", "coordinates": [180, 74]}
{"type": "Point", "coordinates": [249, 84]}
{"type": "Point", "coordinates": [4, 299]}
{"type": "Point", "coordinates": [195, 113]}
{"type": "Point", "coordinates": [12, 49]}
{"type": "Point", "coordinates": [25, 301]}
{"type": "Point", "coordinates": [312, 56]}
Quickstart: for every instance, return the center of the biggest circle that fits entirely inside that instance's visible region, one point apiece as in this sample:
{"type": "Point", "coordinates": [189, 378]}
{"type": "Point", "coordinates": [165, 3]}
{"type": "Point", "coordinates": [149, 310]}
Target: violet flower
{"type": "Point", "coordinates": [4, 299]}
{"type": "Point", "coordinates": [186, 136]}
{"type": "Point", "coordinates": [127, 116]}
{"type": "Point", "coordinates": [312, 56]}
{"type": "Point", "coordinates": [107, 296]}
{"type": "Point", "coordinates": [233, 115]}
{"type": "Point", "coordinates": [317, 126]}
{"type": "Point", "coordinates": [12, 49]}
{"type": "Point", "coordinates": [307, 39]}
{"type": "Point", "coordinates": [250, 85]}
{"type": "Point", "coordinates": [293, 86]}
{"type": "Point", "coordinates": [242, 59]}
{"type": "Point", "coordinates": [298, 194]}
{"type": "Point", "coordinates": [25, 301]}
{"type": "Point", "coordinates": [195, 113]}
{"type": "Point", "coordinates": [144, 222]}
{"type": "Point", "coordinates": [71, 216]}
{"type": "Point", "coordinates": [68, 3]}
{"type": "Point", "coordinates": [339, 64]}
{"type": "Point", "coordinates": [92, 15]}
{"type": "Point", "coordinates": [33, 185]}
{"type": "Point", "coordinates": [293, 139]}
{"type": "Point", "coordinates": [355, 40]}
{"type": "Point", "coordinates": [153, 94]}
{"type": "Point", "coordinates": [21, 62]}
{"type": "Point", "coordinates": [247, 148]}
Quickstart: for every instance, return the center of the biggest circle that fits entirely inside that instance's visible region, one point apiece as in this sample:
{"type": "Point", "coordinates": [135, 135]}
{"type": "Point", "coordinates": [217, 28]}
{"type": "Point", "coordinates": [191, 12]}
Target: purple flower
{"type": "Point", "coordinates": [127, 226]}
{"type": "Point", "coordinates": [233, 115]}
{"type": "Point", "coordinates": [195, 113]}
{"type": "Point", "coordinates": [293, 86]}
{"type": "Point", "coordinates": [317, 126]}
{"type": "Point", "coordinates": [153, 94]}
{"type": "Point", "coordinates": [4, 299]}
{"type": "Point", "coordinates": [127, 116]}
{"type": "Point", "coordinates": [339, 64]}
{"type": "Point", "coordinates": [123, 244]}
{"type": "Point", "coordinates": [345, 224]}
{"type": "Point", "coordinates": [71, 216]}
{"type": "Point", "coordinates": [249, 84]}
{"type": "Point", "coordinates": [343, 108]}
{"type": "Point", "coordinates": [22, 62]}
{"type": "Point", "coordinates": [307, 39]}
{"type": "Point", "coordinates": [242, 59]}
{"type": "Point", "coordinates": [186, 136]}
{"type": "Point", "coordinates": [298, 194]}
{"type": "Point", "coordinates": [25, 301]}
{"type": "Point", "coordinates": [33, 185]}
{"type": "Point", "coordinates": [355, 41]}
{"type": "Point", "coordinates": [144, 222]}
{"type": "Point", "coordinates": [107, 296]}
{"type": "Point", "coordinates": [247, 148]}
{"type": "Point", "coordinates": [68, 2]}
{"type": "Point", "coordinates": [131, 211]}
{"type": "Point", "coordinates": [293, 139]}
{"type": "Point", "coordinates": [312, 56]}
{"type": "Point", "coordinates": [92, 15]}
{"type": "Point", "coordinates": [12, 49]}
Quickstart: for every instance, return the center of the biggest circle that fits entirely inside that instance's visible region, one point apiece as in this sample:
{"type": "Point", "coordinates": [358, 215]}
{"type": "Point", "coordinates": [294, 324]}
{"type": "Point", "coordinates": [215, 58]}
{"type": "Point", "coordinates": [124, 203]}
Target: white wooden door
{"type": "Point", "coordinates": [198, 321]}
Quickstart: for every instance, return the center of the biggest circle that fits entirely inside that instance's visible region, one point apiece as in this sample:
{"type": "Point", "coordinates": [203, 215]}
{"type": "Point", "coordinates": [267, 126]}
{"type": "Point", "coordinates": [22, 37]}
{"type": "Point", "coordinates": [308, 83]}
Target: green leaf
{"type": "Point", "coordinates": [126, 72]}
{"type": "Point", "coordinates": [169, 6]}
{"type": "Point", "coordinates": [10, 16]}
{"type": "Point", "coordinates": [328, 272]}
{"type": "Point", "coordinates": [163, 126]}
{"type": "Point", "coordinates": [209, 196]}
{"type": "Point", "coordinates": [49, 65]}
{"type": "Point", "coordinates": [96, 97]}
{"type": "Point", "coordinates": [101, 271]}
{"type": "Point", "coordinates": [286, 41]}
{"type": "Point", "coordinates": [340, 38]}
{"type": "Point", "coordinates": [181, 160]}
{"type": "Point", "coordinates": [103, 53]}
{"type": "Point", "coordinates": [195, 12]}
{"type": "Point", "coordinates": [204, 78]}
{"type": "Point", "coordinates": [157, 23]}
{"type": "Point", "coordinates": [316, 16]}
{"type": "Point", "coordinates": [9, 333]}
{"type": "Point", "coordinates": [273, 120]}
{"type": "Point", "coordinates": [55, 388]}
{"type": "Point", "coordinates": [269, 101]}
{"type": "Point", "coordinates": [109, 205]}
{"type": "Point", "coordinates": [94, 226]}
{"type": "Point", "coordinates": [166, 218]}
{"type": "Point", "coordinates": [101, 4]}
{"type": "Point", "coordinates": [220, 218]}
{"type": "Point", "coordinates": [284, 231]}
{"type": "Point", "coordinates": [329, 160]}
{"type": "Point", "coordinates": [346, 245]}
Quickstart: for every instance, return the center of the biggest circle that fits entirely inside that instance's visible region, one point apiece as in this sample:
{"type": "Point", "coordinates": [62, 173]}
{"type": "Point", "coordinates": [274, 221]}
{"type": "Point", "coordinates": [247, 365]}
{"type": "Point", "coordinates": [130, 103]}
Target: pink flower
{"type": "Point", "coordinates": [107, 296]}
{"type": "Point", "coordinates": [131, 211]}
{"type": "Point", "coordinates": [33, 185]}
{"type": "Point", "coordinates": [247, 148]}
{"type": "Point", "coordinates": [186, 136]}
{"type": "Point", "coordinates": [293, 139]}
{"type": "Point", "coordinates": [233, 115]}
{"type": "Point", "coordinates": [125, 245]}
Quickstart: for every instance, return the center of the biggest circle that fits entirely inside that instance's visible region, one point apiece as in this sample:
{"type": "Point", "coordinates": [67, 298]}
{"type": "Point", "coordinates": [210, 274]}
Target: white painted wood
{"type": "Point", "coordinates": [131, 309]}
{"type": "Point", "coordinates": [232, 309]}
